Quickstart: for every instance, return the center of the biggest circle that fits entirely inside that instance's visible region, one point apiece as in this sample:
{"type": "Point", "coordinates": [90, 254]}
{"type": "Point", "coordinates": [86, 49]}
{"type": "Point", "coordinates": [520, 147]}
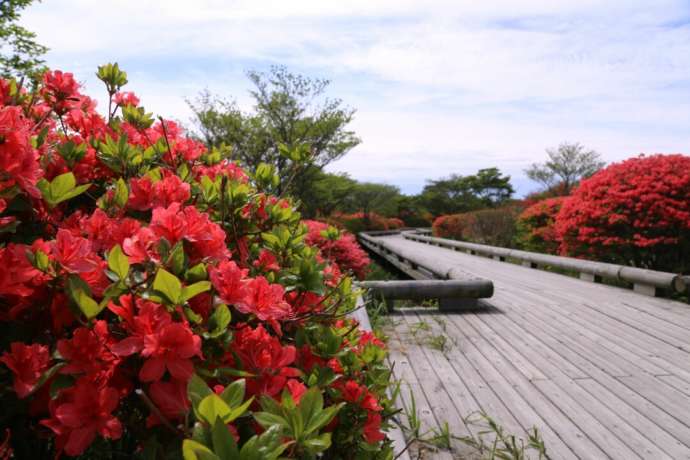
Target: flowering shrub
{"type": "Point", "coordinates": [495, 226]}
{"type": "Point", "coordinates": [357, 222]}
{"type": "Point", "coordinates": [634, 212]}
{"type": "Point", "coordinates": [156, 299]}
{"type": "Point", "coordinates": [536, 226]}
{"type": "Point", "coordinates": [340, 248]}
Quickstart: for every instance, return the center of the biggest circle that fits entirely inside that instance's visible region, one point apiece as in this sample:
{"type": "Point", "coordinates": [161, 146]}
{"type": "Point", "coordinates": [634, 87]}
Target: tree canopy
{"type": "Point", "coordinates": [20, 54]}
{"type": "Point", "coordinates": [291, 114]}
{"type": "Point", "coordinates": [486, 189]}
{"type": "Point", "coordinates": [566, 166]}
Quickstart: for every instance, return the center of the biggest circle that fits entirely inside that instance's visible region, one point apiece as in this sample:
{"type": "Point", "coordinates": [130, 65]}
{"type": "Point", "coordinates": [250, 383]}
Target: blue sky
{"type": "Point", "coordinates": [440, 87]}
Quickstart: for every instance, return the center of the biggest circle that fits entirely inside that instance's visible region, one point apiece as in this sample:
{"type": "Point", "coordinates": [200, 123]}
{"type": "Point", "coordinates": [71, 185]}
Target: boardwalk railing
{"type": "Point", "coordinates": [461, 291]}
{"type": "Point", "coordinates": [643, 281]}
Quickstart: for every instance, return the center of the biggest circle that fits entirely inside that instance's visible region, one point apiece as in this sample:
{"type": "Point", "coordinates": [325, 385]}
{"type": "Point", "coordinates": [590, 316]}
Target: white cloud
{"type": "Point", "coordinates": [440, 86]}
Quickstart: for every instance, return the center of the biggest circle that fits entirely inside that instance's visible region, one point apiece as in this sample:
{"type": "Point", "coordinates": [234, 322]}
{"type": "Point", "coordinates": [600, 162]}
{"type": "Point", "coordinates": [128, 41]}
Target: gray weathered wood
{"type": "Point", "coordinates": [604, 372]}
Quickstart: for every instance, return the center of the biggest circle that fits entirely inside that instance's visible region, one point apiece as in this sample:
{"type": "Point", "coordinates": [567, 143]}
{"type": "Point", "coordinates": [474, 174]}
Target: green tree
{"type": "Point", "coordinates": [567, 165]}
{"type": "Point", "coordinates": [455, 194]}
{"type": "Point", "coordinates": [290, 111]}
{"type": "Point", "coordinates": [369, 197]}
{"type": "Point", "coordinates": [325, 193]}
{"type": "Point", "coordinates": [20, 55]}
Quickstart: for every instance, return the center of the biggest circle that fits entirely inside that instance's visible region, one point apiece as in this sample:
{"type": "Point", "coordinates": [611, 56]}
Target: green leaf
{"type": "Point", "coordinates": [223, 443]}
{"type": "Point", "coordinates": [192, 450]}
{"type": "Point", "coordinates": [121, 193]}
{"type": "Point", "coordinates": [213, 407]}
{"type": "Point", "coordinates": [219, 320]}
{"type": "Point", "coordinates": [118, 262]}
{"type": "Point", "coordinates": [319, 443]}
{"type": "Point", "coordinates": [61, 188]}
{"type": "Point", "coordinates": [197, 390]}
{"type": "Point", "coordinates": [194, 289]}
{"type": "Point", "coordinates": [310, 404]}
{"type": "Point", "coordinates": [176, 259]}
{"type": "Point", "coordinates": [79, 291]}
{"type": "Point", "coordinates": [238, 411]}
{"type": "Point", "coordinates": [267, 419]}
{"type": "Point", "coordinates": [322, 418]}
{"type": "Point", "coordinates": [233, 395]}
{"type": "Point", "coordinates": [168, 285]}
{"type": "Point", "coordinates": [62, 184]}
{"type": "Point", "coordinates": [197, 272]}
{"type": "Point", "coordinates": [86, 304]}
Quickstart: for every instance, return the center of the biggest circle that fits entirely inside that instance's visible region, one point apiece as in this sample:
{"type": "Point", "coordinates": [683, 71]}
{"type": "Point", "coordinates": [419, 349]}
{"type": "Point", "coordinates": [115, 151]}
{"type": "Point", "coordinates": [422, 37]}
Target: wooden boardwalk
{"type": "Point", "coordinates": [602, 372]}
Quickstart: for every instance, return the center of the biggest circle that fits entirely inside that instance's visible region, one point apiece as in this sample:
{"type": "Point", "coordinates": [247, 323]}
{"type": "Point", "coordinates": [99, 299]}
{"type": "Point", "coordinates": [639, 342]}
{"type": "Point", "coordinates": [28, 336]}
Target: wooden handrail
{"type": "Point", "coordinates": [644, 281]}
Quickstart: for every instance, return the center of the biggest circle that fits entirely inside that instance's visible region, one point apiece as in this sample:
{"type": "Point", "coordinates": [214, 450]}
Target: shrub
{"type": "Point", "coordinates": [495, 227]}
{"type": "Point", "coordinates": [455, 226]}
{"type": "Point", "coordinates": [155, 297]}
{"type": "Point", "coordinates": [357, 222]}
{"type": "Point", "coordinates": [536, 226]}
{"type": "Point", "coordinates": [634, 212]}
{"type": "Point", "coordinates": [338, 247]}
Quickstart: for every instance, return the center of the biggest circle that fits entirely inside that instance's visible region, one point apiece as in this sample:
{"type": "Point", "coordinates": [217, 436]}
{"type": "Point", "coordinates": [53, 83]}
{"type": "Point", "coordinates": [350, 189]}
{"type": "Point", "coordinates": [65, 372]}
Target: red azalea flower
{"type": "Point", "coordinates": [146, 194]}
{"type": "Point", "coordinates": [263, 355]}
{"type": "Point", "coordinates": [372, 428]}
{"type": "Point", "coordinates": [81, 413]}
{"type": "Point", "coordinates": [171, 400]}
{"type": "Point", "coordinates": [123, 98]}
{"type": "Point", "coordinates": [267, 262]}
{"type": "Point", "coordinates": [74, 253]}
{"type": "Point", "coordinates": [266, 301]}
{"type": "Point", "coordinates": [166, 344]}
{"type": "Point", "coordinates": [296, 389]}
{"type": "Point", "coordinates": [88, 352]}
{"type": "Point", "coordinates": [27, 363]}
{"type": "Point", "coordinates": [228, 280]}
{"type": "Point", "coordinates": [61, 91]}
{"type": "Point", "coordinates": [18, 160]}
{"type": "Point", "coordinates": [171, 348]}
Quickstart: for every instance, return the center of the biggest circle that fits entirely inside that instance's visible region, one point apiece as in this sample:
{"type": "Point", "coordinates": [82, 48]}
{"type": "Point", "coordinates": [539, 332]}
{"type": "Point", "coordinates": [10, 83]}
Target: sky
{"type": "Point", "coordinates": [439, 86]}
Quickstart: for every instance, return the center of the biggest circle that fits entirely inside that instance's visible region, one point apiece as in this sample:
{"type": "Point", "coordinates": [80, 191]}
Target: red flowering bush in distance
{"type": "Point", "coordinates": [339, 247]}
{"type": "Point", "coordinates": [358, 222]}
{"type": "Point", "coordinates": [536, 226]}
{"type": "Point", "coordinates": [157, 301]}
{"type": "Point", "coordinates": [634, 212]}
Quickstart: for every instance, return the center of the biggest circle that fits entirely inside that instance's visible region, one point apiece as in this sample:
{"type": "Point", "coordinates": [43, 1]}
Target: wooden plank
{"type": "Point", "coordinates": [502, 381]}
{"type": "Point", "coordinates": [643, 405]}
{"type": "Point", "coordinates": [635, 418]}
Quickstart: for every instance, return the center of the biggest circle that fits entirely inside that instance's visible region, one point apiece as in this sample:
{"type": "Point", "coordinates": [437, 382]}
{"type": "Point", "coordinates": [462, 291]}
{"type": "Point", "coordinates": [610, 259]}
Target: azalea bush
{"type": "Point", "coordinates": [536, 226]}
{"type": "Point", "coordinates": [339, 247]}
{"type": "Point", "coordinates": [636, 212]}
{"type": "Point", "coordinates": [158, 301]}
{"type": "Point", "coordinates": [359, 222]}
{"type": "Point", "coordinates": [493, 226]}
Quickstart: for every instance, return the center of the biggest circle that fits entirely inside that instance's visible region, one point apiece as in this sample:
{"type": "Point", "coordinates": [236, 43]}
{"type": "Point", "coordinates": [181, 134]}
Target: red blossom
{"type": "Point", "coordinates": [27, 363]}
{"type": "Point", "coordinates": [263, 355]}
{"type": "Point", "coordinates": [82, 412]}
{"type": "Point", "coordinates": [18, 160]}
{"type": "Point", "coordinates": [265, 301]}
{"type": "Point", "coordinates": [146, 194]}
{"type": "Point", "coordinates": [372, 428]}
{"type": "Point", "coordinates": [229, 280]}
{"type": "Point", "coordinates": [123, 98]}
{"type": "Point", "coordinates": [636, 211]}
{"type": "Point", "coordinates": [170, 399]}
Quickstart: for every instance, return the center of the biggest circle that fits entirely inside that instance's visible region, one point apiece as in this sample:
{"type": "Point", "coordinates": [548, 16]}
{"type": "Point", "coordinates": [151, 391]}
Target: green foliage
{"type": "Point", "coordinates": [294, 127]}
{"type": "Point", "coordinates": [455, 194]}
{"type": "Point", "coordinates": [20, 55]}
{"type": "Point", "coordinates": [62, 188]}
{"type": "Point", "coordinates": [566, 166]}
{"type": "Point", "coordinates": [300, 422]}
